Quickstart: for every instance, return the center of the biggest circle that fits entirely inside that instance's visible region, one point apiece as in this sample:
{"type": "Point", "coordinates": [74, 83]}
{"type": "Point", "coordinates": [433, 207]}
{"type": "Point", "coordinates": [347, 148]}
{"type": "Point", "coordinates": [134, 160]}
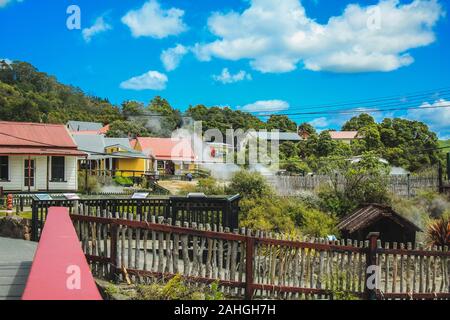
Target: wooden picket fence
{"type": "Point", "coordinates": [257, 264]}
{"type": "Point", "coordinates": [400, 185]}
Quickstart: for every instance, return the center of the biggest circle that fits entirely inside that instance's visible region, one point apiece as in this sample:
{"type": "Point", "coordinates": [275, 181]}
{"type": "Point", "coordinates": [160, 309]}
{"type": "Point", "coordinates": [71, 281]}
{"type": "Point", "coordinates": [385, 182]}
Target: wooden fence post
{"type": "Point", "coordinates": [371, 260]}
{"type": "Point", "coordinates": [441, 178]}
{"type": "Point", "coordinates": [250, 246]}
{"type": "Point", "coordinates": [113, 262]}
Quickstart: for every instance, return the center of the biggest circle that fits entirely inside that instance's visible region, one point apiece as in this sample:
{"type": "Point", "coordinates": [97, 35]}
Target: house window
{"type": "Point", "coordinates": [161, 165]}
{"type": "Point", "coordinates": [4, 168]}
{"type": "Point", "coordinates": [58, 169]}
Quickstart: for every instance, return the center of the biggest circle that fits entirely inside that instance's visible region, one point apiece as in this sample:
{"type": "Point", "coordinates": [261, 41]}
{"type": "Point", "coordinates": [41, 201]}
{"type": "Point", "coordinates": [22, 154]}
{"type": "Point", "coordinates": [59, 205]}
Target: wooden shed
{"type": "Point", "coordinates": [378, 218]}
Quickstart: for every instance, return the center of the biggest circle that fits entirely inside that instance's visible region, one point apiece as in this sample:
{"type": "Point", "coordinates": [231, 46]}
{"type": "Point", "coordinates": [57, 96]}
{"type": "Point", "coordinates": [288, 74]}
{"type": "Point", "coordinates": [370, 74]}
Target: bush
{"type": "Point", "coordinates": [359, 182]}
{"type": "Point", "coordinates": [177, 289]}
{"type": "Point", "coordinates": [208, 186]}
{"type": "Point", "coordinates": [438, 232]}
{"type": "Point", "coordinates": [265, 214]}
{"type": "Point", "coordinates": [422, 209]}
{"type": "Point", "coordinates": [249, 184]}
{"type": "Point", "coordinates": [124, 181]}
{"type": "Point", "coordinates": [92, 185]}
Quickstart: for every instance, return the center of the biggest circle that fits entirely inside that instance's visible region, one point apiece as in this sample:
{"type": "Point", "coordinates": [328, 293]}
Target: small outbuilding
{"type": "Point", "coordinates": [378, 218]}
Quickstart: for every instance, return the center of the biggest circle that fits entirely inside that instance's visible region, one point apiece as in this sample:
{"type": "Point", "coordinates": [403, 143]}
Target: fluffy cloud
{"type": "Point", "coordinates": [3, 3]}
{"type": "Point", "coordinates": [153, 21]}
{"type": "Point", "coordinates": [171, 57]}
{"type": "Point", "coordinates": [98, 27]}
{"type": "Point", "coordinates": [276, 36]}
{"type": "Point", "coordinates": [152, 80]}
{"type": "Point", "coordinates": [6, 60]}
{"type": "Point", "coordinates": [437, 117]}
{"type": "Point", "coordinates": [266, 106]}
{"type": "Point", "coordinates": [226, 77]}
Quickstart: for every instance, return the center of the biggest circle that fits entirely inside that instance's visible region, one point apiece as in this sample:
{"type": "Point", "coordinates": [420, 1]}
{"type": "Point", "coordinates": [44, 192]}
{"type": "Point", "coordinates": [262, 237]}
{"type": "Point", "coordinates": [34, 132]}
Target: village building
{"type": "Point", "coordinates": [269, 137]}
{"type": "Point", "coordinates": [37, 157]}
{"type": "Point", "coordinates": [169, 156]}
{"type": "Point", "coordinates": [83, 127]}
{"type": "Point", "coordinates": [378, 218]}
{"type": "Point", "coordinates": [109, 156]}
{"type": "Point", "coordinates": [344, 136]}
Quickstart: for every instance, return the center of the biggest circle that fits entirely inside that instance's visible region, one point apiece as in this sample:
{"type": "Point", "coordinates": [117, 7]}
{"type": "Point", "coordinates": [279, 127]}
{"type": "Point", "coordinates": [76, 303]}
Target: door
{"type": "Point", "coordinates": [29, 173]}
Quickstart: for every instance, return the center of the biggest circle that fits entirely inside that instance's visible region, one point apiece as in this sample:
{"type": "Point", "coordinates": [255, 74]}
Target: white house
{"type": "Point", "coordinates": [37, 157]}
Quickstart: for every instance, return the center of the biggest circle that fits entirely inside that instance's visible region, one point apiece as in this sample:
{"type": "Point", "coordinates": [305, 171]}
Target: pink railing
{"type": "Point", "coordinates": [60, 270]}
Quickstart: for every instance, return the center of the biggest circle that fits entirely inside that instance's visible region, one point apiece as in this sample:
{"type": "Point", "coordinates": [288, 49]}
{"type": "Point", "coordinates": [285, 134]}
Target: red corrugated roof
{"type": "Point", "coordinates": [104, 130]}
{"type": "Point", "coordinates": [167, 148]}
{"type": "Point", "coordinates": [28, 134]}
{"type": "Point", "coordinates": [38, 151]}
{"type": "Point", "coordinates": [343, 134]}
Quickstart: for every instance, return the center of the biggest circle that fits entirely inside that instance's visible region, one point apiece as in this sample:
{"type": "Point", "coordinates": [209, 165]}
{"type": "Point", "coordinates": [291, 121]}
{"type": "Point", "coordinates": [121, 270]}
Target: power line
{"type": "Point", "coordinates": [355, 111]}
{"type": "Point", "coordinates": [391, 99]}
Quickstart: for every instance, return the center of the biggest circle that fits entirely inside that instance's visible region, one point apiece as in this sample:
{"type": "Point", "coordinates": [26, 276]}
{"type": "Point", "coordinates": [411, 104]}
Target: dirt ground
{"type": "Point", "coordinates": [175, 186]}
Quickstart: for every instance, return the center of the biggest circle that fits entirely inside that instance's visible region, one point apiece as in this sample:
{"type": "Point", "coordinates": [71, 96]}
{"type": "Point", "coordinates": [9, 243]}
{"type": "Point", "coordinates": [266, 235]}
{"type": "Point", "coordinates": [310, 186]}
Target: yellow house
{"type": "Point", "coordinates": [125, 161]}
{"type": "Point", "coordinates": [167, 155]}
{"type": "Point", "coordinates": [109, 156]}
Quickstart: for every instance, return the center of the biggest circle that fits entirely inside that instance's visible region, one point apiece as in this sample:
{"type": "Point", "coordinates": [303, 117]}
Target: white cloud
{"type": "Point", "coordinates": [266, 106]}
{"type": "Point", "coordinates": [98, 27]}
{"type": "Point", "coordinates": [171, 57]}
{"type": "Point", "coordinates": [437, 117]}
{"type": "Point", "coordinates": [3, 3]}
{"type": "Point", "coordinates": [153, 21]}
{"type": "Point", "coordinates": [152, 80]}
{"type": "Point", "coordinates": [6, 60]}
{"type": "Point", "coordinates": [321, 122]}
{"type": "Point", "coordinates": [226, 77]}
{"type": "Point", "coordinates": [276, 36]}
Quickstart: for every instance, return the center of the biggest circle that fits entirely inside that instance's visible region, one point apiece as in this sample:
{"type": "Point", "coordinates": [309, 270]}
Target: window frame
{"type": "Point", "coordinates": [7, 168]}
{"type": "Point", "coordinates": [53, 168]}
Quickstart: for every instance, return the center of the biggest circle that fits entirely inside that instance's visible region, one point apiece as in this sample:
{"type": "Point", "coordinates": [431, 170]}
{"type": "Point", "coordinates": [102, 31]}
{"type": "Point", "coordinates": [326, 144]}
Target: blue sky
{"type": "Point", "coordinates": [259, 55]}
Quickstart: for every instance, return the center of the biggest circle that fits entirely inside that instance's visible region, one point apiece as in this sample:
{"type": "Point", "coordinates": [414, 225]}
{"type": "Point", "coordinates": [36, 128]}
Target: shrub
{"type": "Point", "coordinates": [92, 183]}
{"type": "Point", "coordinates": [363, 181]}
{"type": "Point", "coordinates": [177, 289]}
{"type": "Point", "coordinates": [123, 181]}
{"type": "Point", "coordinates": [438, 232]}
{"type": "Point", "coordinates": [249, 184]}
{"type": "Point", "coordinates": [265, 214]}
{"type": "Point", "coordinates": [209, 186]}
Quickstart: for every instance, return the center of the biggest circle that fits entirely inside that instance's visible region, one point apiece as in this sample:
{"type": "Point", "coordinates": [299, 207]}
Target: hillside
{"type": "Point", "coordinates": [26, 94]}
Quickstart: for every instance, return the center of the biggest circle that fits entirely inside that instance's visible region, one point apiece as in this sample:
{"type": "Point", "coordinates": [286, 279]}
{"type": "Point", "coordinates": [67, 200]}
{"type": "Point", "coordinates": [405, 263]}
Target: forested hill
{"type": "Point", "coordinates": [27, 94]}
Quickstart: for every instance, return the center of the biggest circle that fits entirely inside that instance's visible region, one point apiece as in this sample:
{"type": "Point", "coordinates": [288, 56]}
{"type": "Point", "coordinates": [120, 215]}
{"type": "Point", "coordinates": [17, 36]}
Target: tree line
{"type": "Point", "coordinates": [26, 94]}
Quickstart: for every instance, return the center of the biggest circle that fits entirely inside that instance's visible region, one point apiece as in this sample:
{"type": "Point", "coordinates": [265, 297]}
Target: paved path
{"type": "Point", "coordinates": [15, 263]}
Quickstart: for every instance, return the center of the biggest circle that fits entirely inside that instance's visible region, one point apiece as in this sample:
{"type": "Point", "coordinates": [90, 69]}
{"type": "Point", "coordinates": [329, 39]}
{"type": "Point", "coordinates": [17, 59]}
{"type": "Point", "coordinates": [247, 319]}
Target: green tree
{"type": "Point", "coordinates": [353, 183]}
{"type": "Point", "coordinates": [124, 129]}
{"type": "Point", "coordinates": [282, 123]}
{"type": "Point", "coordinates": [132, 108]}
{"type": "Point", "coordinates": [358, 122]}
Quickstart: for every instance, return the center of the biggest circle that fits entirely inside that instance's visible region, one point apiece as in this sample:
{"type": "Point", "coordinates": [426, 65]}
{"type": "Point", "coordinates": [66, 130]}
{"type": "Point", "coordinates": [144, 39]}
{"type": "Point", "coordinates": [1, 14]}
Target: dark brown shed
{"type": "Point", "coordinates": [378, 218]}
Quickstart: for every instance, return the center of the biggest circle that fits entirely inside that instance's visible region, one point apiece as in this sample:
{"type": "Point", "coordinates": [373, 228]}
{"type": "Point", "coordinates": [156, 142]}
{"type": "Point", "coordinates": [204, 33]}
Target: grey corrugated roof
{"type": "Point", "coordinates": [282, 136]}
{"type": "Point", "coordinates": [84, 126]}
{"type": "Point", "coordinates": [124, 142]}
{"type": "Point", "coordinates": [93, 144]}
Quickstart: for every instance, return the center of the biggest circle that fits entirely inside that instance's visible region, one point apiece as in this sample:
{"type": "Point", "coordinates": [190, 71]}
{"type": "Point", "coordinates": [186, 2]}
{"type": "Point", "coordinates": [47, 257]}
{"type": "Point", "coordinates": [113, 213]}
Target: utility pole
{"type": "Point", "coordinates": [448, 166]}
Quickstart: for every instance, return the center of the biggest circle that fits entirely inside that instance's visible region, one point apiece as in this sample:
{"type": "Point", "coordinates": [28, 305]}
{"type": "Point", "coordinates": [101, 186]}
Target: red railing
{"type": "Point", "coordinates": [60, 270]}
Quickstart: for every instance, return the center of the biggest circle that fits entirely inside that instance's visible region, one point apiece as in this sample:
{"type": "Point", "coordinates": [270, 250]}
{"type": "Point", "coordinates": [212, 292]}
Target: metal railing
{"type": "Point", "coordinates": [220, 210]}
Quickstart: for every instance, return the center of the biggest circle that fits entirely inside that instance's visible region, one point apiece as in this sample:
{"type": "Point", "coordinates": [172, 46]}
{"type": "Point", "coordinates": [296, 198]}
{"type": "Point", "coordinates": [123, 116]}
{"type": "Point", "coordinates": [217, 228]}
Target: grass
{"type": "Point", "coordinates": [444, 143]}
{"type": "Point", "coordinates": [26, 215]}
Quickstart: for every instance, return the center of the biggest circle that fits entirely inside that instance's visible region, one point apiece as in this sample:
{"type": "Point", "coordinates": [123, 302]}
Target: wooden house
{"type": "Point", "coordinates": [378, 218]}
{"type": "Point", "coordinates": [36, 157]}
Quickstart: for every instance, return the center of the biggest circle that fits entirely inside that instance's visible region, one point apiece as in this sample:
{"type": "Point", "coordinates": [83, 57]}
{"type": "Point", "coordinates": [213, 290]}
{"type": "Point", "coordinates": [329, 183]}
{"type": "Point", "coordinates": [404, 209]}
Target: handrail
{"type": "Point", "coordinates": [60, 270]}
